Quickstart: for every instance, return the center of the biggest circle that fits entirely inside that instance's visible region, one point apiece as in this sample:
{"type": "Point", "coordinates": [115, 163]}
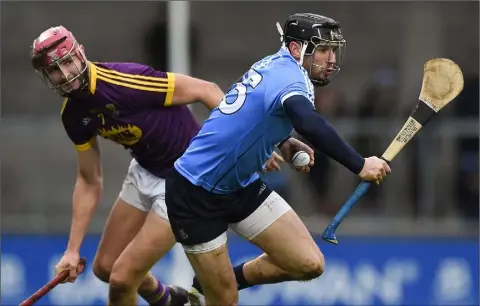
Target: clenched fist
{"type": "Point", "coordinates": [71, 262]}
{"type": "Point", "coordinates": [374, 170]}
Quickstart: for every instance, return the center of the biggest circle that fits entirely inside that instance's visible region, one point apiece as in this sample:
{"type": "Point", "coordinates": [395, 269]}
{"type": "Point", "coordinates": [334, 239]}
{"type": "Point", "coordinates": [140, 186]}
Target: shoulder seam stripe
{"type": "Point", "coordinates": [133, 76]}
{"type": "Point", "coordinates": [86, 146]}
{"type": "Point", "coordinates": [63, 106]}
{"type": "Point", "coordinates": [130, 80]}
{"type": "Point", "coordinates": [145, 88]}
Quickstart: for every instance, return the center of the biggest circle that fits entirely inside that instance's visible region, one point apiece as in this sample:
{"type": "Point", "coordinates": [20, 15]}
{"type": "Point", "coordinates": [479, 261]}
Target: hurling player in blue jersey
{"type": "Point", "coordinates": [215, 185]}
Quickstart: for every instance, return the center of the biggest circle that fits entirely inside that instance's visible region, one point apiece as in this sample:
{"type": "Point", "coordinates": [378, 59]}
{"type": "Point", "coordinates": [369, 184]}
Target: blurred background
{"type": "Point", "coordinates": [411, 241]}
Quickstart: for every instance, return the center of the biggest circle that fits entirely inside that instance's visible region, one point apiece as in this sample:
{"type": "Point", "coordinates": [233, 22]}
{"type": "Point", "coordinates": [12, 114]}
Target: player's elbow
{"type": "Point", "coordinates": [303, 127]}
{"type": "Point", "coordinates": [208, 86]}
{"type": "Point", "coordinates": [190, 90]}
{"type": "Point", "coordinates": [211, 94]}
{"type": "Point", "coordinates": [307, 126]}
{"type": "Point", "coordinates": [207, 89]}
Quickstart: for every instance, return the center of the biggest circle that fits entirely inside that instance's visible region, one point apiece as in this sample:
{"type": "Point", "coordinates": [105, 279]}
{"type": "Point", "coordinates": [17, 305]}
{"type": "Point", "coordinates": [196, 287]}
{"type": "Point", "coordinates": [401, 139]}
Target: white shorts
{"type": "Point", "coordinates": [265, 215]}
{"type": "Point", "coordinates": [144, 191]}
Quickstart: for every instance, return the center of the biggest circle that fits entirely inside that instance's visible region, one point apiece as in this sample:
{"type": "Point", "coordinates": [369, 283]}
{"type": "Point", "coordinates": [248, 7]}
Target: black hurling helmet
{"type": "Point", "coordinates": [315, 32]}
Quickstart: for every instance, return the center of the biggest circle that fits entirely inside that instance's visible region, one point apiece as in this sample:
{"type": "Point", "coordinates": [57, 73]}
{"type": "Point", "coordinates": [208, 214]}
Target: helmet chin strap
{"type": "Point", "coordinates": [302, 53]}
{"type": "Point", "coordinates": [304, 44]}
{"type": "Point", "coordinates": [280, 31]}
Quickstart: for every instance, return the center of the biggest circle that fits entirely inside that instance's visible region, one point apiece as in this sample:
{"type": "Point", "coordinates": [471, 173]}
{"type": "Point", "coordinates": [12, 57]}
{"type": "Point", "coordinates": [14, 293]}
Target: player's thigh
{"type": "Point", "coordinates": [197, 223]}
{"type": "Point", "coordinates": [209, 258]}
{"type": "Point", "coordinates": [215, 274]}
{"type": "Point", "coordinates": [125, 220]}
{"type": "Point", "coordinates": [279, 232]}
{"type": "Point", "coordinates": [122, 226]}
{"type": "Point", "coordinates": [194, 215]}
{"type": "Point", "coordinates": [152, 242]}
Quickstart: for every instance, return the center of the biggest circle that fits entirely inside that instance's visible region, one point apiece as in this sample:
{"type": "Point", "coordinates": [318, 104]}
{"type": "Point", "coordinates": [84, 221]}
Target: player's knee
{"type": "Point", "coordinates": [121, 281]}
{"type": "Point", "coordinates": [221, 293]}
{"type": "Point", "coordinates": [102, 269]}
{"type": "Point", "coordinates": [123, 275]}
{"type": "Point", "coordinates": [228, 297]}
{"type": "Point", "coordinates": [313, 267]}
{"type": "Point", "coordinates": [117, 289]}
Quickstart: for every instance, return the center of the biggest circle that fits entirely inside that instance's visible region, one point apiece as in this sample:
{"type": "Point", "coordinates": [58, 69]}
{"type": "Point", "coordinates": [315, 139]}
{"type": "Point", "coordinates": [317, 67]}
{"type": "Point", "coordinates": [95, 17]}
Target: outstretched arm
{"type": "Point", "coordinates": [190, 90]}
{"type": "Point", "coordinates": [311, 125]}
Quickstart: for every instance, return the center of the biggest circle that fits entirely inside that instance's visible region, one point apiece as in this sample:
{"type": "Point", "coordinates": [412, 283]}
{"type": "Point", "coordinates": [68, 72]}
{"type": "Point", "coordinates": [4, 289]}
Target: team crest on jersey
{"type": "Point", "coordinates": [112, 109]}
{"type": "Point", "coordinates": [109, 107]}
{"type": "Point", "coordinates": [86, 120]}
{"type": "Point", "coordinates": [123, 134]}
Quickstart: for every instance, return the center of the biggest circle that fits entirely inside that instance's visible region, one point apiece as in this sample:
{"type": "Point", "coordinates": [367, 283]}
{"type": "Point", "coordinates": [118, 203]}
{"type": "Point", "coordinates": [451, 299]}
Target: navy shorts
{"type": "Point", "coordinates": [199, 216]}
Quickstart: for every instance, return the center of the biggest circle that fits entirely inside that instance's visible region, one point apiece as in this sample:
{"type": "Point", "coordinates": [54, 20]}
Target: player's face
{"type": "Point", "coordinates": [324, 60]}
{"type": "Point", "coordinates": [64, 73]}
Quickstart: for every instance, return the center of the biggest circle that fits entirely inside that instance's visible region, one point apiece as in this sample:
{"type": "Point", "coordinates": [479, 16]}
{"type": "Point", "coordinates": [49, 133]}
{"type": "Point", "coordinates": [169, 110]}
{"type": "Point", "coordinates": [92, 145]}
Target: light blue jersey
{"type": "Point", "coordinates": [241, 133]}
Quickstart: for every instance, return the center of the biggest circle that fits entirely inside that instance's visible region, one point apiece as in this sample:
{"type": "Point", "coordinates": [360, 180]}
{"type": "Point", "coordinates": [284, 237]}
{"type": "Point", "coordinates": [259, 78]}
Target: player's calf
{"type": "Point", "coordinates": [123, 288]}
{"type": "Point", "coordinates": [259, 271]}
{"type": "Point", "coordinates": [292, 252]}
{"type": "Point", "coordinates": [285, 239]}
{"type": "Point", "coordinates": [123, 292]}
{"type": "Point", "coordinates": [263, 270]}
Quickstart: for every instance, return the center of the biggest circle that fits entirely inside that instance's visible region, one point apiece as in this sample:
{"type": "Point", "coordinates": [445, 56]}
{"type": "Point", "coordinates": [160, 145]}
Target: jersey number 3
{"type": "Point", "coordinates": [237, 95]}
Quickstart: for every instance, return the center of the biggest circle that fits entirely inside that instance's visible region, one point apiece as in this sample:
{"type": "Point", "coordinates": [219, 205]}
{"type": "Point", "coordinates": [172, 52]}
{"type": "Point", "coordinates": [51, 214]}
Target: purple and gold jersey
{"type": "Point", "coordinates": [129, 104]}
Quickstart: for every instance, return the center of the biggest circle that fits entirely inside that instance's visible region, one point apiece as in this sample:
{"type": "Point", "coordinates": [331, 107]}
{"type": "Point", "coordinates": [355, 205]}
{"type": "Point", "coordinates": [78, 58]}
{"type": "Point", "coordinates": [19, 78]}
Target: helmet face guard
{"type": "Point", "coordinates": [336, 54]}
{"type": "Point", "coordinates": [317, 33]}
{"type": "Point", "coordinates": [60, 62]}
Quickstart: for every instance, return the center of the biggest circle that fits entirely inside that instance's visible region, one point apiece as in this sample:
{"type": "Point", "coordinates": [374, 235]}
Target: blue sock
{"type": "Point", "coordinates": [241, 281]}
{"type": "Point", "coordinates": [240, 278]}
{"type": "Point", "coordinates": [196, 284]}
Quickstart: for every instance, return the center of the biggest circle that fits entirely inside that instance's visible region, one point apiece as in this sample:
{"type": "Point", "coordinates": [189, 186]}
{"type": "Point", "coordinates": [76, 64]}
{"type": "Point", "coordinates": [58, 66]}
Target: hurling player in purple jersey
{"type": "Point", "coordinates": [145, 111]}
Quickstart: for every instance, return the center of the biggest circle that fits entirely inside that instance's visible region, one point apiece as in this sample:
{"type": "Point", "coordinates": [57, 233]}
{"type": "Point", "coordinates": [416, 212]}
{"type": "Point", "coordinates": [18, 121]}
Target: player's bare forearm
{"type": "Point", "coordinates": [190, 90]}
{"type": "Point", "coordinates": [86, 197]}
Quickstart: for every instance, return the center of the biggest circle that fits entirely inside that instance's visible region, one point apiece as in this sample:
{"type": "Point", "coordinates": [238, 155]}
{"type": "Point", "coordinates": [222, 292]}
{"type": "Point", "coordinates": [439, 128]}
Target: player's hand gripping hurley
{"type": "Point", "coordinates": [442, 82]}
{"type": "Point", "coordinates": [60, 278]}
